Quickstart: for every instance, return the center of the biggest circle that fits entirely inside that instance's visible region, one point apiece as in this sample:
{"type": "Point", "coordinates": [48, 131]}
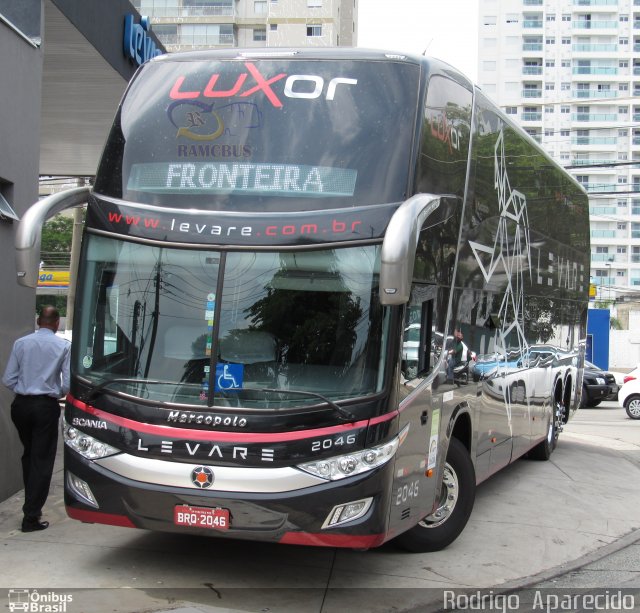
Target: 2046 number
{"type": "Point", "coordinates": [409, 490]}
{"type": "Point", "coordinates": [329, 443]}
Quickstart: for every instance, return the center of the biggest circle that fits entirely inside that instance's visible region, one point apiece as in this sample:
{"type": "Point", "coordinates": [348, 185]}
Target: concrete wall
{"type": "Point", "coordinates": [624, 345]}
{"type": "Point", "coordinates": [21, 76]}
{"type": "Point", "coordinates": [22, 68]}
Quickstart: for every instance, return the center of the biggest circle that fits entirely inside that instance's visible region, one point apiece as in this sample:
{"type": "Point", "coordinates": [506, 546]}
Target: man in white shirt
{"type": "Point", "coordinates": [38, 373]}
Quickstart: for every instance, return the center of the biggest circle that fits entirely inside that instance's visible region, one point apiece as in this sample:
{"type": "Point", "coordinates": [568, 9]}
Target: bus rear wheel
{"type": "Point", "coordinates": [445, 524]}
{"type": "Point", "coordinates": [544, 449]}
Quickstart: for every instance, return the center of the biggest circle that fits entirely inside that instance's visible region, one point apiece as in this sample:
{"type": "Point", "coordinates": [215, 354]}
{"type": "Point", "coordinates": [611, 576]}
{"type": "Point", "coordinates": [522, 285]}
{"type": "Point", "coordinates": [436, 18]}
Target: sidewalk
{"type": "Point", "coordinates": [535, 519]}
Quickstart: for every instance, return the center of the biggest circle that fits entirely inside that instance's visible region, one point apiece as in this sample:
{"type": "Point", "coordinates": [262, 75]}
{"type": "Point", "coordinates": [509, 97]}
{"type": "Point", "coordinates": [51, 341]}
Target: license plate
{"type": "Point", "coordinates": [201, 517]}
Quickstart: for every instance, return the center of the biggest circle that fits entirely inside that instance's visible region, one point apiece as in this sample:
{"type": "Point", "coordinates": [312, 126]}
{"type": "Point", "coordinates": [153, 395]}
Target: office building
{"type": "Point", "coordinates": [184, 25]}
{"type": "Point", "coordinates": [565, 71]}
{"type": "Point", "coordinates": [63, 70]}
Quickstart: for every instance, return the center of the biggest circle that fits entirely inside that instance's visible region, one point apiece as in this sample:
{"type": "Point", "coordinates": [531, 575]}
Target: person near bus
{"type": "Point", "coordinates": [38, 374]}
{"type": "Point", "coordinates": [455, 356]}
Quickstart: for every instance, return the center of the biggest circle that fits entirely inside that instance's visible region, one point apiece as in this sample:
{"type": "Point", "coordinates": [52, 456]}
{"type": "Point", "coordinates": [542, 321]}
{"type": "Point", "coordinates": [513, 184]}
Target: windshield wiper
{"type": "Point", "coordinates": [98, 389]}
{"type": "Point", "coordinates": [344, 413]}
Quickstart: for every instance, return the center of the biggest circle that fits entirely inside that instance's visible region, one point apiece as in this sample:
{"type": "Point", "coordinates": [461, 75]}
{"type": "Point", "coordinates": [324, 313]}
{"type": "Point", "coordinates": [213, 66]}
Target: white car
{"type": "Point", "coordinates": [623, 377]}
{"type": "Point", "coordinates": [633, 374]}
{"type": "Point", "coordinates": [629, 397]}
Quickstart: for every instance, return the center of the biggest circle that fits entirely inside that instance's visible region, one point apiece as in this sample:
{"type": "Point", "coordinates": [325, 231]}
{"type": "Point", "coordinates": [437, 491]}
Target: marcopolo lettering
{"type": "Point", "coordinates": [206, 419]}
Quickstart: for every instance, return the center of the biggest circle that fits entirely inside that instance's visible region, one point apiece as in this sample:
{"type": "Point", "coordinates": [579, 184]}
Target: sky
{"type": "Point", "coordinates": [446, 29]}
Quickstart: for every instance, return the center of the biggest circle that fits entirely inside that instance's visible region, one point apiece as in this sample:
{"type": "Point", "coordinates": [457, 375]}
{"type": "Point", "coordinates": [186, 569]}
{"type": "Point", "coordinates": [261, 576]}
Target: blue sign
{"type": "Point", "coordinates": [137, 44]}
{"type": "Point", "coordinates": [229, 377]}
{"type": "Point", "coordinates": [598, 328]}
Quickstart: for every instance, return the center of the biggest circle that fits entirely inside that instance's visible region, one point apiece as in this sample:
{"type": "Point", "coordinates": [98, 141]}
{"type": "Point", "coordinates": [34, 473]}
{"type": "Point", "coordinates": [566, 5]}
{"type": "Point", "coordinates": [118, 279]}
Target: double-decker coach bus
{"type": "Point", "coordinates": [284, 253]}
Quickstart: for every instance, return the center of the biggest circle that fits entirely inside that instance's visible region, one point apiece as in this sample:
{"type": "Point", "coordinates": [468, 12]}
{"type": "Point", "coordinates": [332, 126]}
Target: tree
{"type": "Point", "coordinates": [55, 252]}
{"type": "Point", "coordinates": [55, 247]}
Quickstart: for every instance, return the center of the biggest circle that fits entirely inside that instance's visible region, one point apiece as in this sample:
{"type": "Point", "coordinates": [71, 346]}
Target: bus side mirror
{"type": "Point", "coordinates": [400, 243]}
{"type": "Point", "coordinates": [30, 230]}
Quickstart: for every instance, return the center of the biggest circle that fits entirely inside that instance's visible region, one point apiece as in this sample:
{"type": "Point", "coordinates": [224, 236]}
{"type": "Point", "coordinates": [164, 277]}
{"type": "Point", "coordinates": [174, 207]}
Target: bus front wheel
{"type": "Point", "coordinates": [444, 525]}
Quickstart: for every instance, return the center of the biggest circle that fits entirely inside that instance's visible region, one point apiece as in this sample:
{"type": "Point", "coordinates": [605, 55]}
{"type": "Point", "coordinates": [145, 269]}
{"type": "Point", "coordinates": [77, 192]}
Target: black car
{"type": "Point", "coordinates": [597, 385]}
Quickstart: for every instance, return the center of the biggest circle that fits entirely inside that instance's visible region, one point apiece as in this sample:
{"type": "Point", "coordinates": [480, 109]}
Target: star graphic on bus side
{"type": "Point", "coordinates": [510, 254]}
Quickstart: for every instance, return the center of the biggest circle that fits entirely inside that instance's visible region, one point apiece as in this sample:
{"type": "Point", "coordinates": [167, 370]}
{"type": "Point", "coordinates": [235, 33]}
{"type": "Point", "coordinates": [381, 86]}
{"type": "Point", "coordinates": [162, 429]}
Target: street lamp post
{"type": "Point", "coordinates": [609, 279]}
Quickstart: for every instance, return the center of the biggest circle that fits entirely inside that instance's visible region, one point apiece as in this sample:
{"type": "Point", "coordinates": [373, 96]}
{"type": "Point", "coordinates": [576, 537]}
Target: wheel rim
{"type": "Point", "coordinates": [556, 421]}
{"type": "Point", "coordinates": [634, 407]}
{"type": "Point", "coordinates": [448, 500]}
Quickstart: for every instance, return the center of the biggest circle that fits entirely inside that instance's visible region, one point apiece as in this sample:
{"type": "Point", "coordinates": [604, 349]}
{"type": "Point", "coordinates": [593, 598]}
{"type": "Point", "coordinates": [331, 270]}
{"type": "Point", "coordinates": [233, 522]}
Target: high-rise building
{"type": "Point", "coordinates": [565, 70]}
{"type": "Point", "coordinates": [184, 25]}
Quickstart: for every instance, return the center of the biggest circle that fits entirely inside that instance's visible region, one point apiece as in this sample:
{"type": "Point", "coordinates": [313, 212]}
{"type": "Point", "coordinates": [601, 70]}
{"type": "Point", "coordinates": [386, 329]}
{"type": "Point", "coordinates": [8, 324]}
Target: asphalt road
{"type": "Point", "coordinates": [572, 522]}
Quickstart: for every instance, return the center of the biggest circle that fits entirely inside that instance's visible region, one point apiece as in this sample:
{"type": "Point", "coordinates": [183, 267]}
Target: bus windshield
{"type": "Point", "coordinates": [278, 323]}
{"type": "Point", "coordinates": [264, 135]}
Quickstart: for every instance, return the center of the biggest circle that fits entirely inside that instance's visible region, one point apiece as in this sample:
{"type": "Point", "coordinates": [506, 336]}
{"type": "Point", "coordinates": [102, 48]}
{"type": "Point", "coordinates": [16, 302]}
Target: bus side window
{"type": "Point", "coordinates": [110, 343]}
{"type": "Point", "coordinates": [422, 339]}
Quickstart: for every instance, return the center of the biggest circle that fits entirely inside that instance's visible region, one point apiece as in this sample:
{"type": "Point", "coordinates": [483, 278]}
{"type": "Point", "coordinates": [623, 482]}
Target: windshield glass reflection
{"type": "Point", "coordinates": [278, 323]}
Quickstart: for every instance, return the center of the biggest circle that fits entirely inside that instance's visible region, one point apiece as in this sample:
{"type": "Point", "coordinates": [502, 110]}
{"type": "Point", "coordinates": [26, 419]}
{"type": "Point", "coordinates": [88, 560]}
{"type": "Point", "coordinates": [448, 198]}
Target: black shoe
{"type": "Point", "coordinates": [33, 525]}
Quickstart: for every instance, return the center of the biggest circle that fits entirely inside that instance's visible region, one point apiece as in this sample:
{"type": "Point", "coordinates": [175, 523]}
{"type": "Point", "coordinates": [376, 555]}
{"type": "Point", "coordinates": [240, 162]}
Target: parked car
{"type": "Point", "coordinates": [536, 355]}
{"type": "Point", "coordinates": [597, 385]}
{"type": "Point", "coordinates": [629, 397]}
{"type": "Point", "coordinates": [620, 378]}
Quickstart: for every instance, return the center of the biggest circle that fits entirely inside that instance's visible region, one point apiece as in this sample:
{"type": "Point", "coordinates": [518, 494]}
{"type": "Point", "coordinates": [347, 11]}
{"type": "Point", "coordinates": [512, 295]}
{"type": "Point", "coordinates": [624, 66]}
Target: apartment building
{"type": "Point", "coordinates": [184, 25]}
{"type": "Point", "coordinates": [569, 72]}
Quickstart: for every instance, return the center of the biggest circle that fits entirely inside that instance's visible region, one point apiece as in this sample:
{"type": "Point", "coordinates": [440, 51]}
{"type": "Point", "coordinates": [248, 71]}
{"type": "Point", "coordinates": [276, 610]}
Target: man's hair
{"type": "Point", "coordinates": [48, 315]}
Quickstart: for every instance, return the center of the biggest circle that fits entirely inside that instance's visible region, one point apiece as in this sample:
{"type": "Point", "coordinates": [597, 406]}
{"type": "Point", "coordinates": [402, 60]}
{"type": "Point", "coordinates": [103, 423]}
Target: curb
{"type": "Point", "coordinates": [531, 581]}
{"type": "Point", "coordinates": [619, 544]}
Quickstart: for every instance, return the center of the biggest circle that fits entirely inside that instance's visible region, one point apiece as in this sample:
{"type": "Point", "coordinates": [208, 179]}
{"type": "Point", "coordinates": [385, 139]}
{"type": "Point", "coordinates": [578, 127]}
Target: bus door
{"type": "Point", "coordinates": [422, 372]}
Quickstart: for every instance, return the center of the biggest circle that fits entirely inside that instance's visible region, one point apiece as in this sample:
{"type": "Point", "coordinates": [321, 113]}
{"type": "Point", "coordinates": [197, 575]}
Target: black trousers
{"type": "Point", "coordinates": [36, 418]}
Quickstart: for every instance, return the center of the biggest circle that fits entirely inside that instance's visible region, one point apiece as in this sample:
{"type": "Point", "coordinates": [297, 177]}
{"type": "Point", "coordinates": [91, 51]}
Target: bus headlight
{"type": "Point", "coordinates": [86, 445]}
{"type": "Point", "coordinates": [354, 463]}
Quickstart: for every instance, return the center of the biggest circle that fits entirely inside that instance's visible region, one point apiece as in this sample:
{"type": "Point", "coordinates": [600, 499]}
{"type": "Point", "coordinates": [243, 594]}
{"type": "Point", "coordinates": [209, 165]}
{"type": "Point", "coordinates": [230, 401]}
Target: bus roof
{"type": "Point", "coordinates": [324, 53]}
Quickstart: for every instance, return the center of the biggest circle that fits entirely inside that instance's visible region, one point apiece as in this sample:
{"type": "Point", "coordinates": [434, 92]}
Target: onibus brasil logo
{"type": "Point", "coordinates": [37, 601]}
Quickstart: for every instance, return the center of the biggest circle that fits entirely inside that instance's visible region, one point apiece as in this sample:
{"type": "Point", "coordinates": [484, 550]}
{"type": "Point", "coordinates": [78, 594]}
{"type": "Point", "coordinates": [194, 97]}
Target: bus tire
{"type": "Point", "coordinates": [544, 449]}
{"type": "Point", "coordinates": [441, 528]}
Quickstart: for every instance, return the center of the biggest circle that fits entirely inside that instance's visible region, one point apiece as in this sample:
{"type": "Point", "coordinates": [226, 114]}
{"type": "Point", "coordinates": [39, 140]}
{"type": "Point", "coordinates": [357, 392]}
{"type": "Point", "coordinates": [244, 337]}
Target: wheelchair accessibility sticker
{"type": "Point", "coordinates": [229, 377]}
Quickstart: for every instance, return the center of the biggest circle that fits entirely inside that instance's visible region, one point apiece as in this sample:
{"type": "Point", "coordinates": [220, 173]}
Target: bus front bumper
{"type": "Point", "coordinates": [96, 493]}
